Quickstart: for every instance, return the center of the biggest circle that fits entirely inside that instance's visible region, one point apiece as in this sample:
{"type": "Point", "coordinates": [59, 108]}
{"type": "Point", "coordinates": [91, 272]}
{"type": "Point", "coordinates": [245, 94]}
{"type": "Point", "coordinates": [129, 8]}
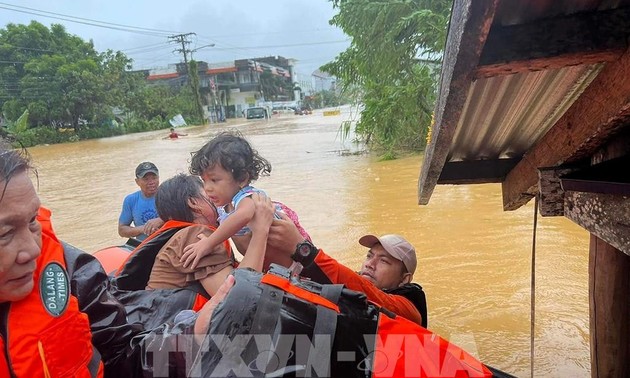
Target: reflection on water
{"type": "Point", "coordinates": [473, 258]}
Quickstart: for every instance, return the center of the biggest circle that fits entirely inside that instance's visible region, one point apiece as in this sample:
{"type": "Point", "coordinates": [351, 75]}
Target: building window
{"type": "Point", "coordinates": [244, 77]}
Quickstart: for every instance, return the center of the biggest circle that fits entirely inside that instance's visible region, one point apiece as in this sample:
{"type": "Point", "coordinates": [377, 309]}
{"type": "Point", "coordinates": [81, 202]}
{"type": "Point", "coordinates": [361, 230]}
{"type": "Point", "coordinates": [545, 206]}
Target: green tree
{"type": "Point", "coordinates": [275, 87]}
{"type": "Point", "coordinates": [55, 75]}
{"type": "Point", "coordinates": [58, 79]}
{"type": "Point", "coordinates": [391, 64]}
{"type": "Point", "coordinates": [61, 79]}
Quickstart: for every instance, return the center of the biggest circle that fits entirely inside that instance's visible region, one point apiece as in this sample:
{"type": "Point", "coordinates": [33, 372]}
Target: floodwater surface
{"type": "Point", "coordinates": [474, 260]}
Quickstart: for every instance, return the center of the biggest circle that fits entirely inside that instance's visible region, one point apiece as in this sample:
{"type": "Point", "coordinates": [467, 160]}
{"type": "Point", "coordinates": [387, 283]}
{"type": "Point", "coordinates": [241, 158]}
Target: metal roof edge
{"type": "Point", "coordinates": [469, 27]}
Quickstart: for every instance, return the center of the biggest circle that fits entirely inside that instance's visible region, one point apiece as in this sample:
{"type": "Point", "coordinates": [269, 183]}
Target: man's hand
{"type": "Point", "coordinates": [152, 225]}
{"type": "Point", "coordinates": [282, 240]}
{"type": "Point", "coordinates": [202, 324]}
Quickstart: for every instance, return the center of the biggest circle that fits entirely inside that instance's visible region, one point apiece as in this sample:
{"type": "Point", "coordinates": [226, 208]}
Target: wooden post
{"type": "Point", "coordinates": [609, 292]}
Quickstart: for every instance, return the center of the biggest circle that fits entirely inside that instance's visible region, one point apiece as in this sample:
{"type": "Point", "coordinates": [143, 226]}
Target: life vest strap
{"type": "Point", "coordinates": [326, 323]}
{"type": "Point", "coordinates": [266, 318]}
{"type": "Point", "coordinates": [268, 311]}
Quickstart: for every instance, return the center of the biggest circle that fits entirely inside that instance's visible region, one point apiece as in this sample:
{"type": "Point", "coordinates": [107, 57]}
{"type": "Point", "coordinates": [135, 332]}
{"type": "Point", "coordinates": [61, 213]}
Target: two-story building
{"type": "Point", "coordinates": [229, 88]}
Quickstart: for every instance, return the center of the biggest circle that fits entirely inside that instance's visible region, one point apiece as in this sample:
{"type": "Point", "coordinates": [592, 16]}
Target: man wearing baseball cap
{"type": "Point", "coordinates": [390, 264]}
{"type": "Point", "coordinates": [139, 207]}
{"type": "Point", "coordinates": [389, 288]}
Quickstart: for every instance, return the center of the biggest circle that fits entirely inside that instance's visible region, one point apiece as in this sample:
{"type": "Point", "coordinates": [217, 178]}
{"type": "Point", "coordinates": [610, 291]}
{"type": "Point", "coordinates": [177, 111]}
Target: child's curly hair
{"type": "Point", "coordinates": [234, 153]}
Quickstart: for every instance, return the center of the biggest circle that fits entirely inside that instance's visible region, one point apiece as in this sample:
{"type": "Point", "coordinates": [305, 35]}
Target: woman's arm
{"type": "Point", "coordinates": [255, 255]}
{"type": "Point", "coordinates": [260, 223]}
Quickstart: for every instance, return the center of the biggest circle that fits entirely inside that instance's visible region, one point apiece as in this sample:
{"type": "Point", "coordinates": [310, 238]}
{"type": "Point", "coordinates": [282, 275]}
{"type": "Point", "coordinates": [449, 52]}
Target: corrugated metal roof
{"type": "Point", "coordinates": [505, 115]}
{"type": "Point", "coordinates": [495, 123]}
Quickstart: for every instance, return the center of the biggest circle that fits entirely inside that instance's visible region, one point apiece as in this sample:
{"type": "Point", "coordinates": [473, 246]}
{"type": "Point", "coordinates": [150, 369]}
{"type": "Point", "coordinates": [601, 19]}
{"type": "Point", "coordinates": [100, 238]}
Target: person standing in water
{"type": "Point", "coordinates": [174, 134]}
{"type": "Point", "coordinates": [139, 207]}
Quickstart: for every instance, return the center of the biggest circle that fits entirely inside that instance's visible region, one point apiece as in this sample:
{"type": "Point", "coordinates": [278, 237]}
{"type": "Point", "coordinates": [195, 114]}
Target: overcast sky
{"type": "Point", "coordinates": [239, 29]}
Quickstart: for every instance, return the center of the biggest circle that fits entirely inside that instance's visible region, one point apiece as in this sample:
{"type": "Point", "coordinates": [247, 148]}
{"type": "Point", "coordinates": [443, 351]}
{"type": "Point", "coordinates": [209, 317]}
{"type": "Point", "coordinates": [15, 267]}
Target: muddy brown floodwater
{"type": "Point", "coordinates": [473, 258]}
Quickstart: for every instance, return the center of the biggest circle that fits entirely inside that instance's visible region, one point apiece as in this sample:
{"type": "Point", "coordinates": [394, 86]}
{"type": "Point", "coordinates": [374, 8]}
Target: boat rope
{"type": "Point", "coordinates": [533, 288]}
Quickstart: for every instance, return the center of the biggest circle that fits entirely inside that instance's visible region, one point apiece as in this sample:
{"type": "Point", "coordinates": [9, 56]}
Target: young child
{"type": "Point", "coordinates": [182, 201]}
{"type": "Point", "coordinates": [227, 165]}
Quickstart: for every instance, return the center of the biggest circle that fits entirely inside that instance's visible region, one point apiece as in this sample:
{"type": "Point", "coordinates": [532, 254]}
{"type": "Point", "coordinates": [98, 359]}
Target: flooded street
{"type": "Point", "coordinates": [473, 258]}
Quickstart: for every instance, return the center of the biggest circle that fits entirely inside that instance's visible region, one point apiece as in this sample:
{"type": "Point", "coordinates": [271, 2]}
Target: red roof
{"type": "Point", "coordinates": [163, 76]}
{"type": "Point", "coordinates": [212, 71]}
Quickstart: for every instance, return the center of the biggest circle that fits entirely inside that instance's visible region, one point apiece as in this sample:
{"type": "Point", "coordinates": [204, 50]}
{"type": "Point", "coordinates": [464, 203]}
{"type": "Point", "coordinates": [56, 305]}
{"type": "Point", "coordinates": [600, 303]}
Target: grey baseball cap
{"type": "Point", "coordinates": [146, 167]}
{"type": "Point", "coordinates": [397, 246]}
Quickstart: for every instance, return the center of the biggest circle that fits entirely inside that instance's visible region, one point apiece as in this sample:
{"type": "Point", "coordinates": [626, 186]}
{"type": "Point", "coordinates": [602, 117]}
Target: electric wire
{"type": "Point", "coordinates": [244, 51]}
{"type": "Point", "coordinates": [533, 288]}
{"type": "Point", "coordinates": [87, 21]}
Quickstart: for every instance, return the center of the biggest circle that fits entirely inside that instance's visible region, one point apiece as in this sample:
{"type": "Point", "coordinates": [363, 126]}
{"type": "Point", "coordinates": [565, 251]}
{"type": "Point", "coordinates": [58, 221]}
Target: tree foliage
{"type": "Point", "coordinates": [275, 88]}
{"type": "Point", "coordinates": [392, 63]}
{"type": "Point", "coordinates": [56, 76]}
{"type": "Point", "coordinates": [62, 81]}
{"type": "Point", "coordinates": [323, 99]}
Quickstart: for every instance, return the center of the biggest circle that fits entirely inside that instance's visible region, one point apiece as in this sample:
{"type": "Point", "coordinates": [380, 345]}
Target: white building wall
{"type": "Point", "coordinates": [242, 101]}
{"type": "Point", "coordinates": [171, 68]}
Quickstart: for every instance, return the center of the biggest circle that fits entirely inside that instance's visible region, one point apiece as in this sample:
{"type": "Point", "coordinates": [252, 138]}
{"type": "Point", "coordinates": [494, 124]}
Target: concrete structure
{"type": "Point", "coordinates": [229, 88]}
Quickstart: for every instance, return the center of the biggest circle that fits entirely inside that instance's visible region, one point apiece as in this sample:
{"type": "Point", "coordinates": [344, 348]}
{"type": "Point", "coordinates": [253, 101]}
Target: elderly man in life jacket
{"type": "Point", "coordinates": [388, 286]}
{"type": "Point", "coordinates": [58, 318]}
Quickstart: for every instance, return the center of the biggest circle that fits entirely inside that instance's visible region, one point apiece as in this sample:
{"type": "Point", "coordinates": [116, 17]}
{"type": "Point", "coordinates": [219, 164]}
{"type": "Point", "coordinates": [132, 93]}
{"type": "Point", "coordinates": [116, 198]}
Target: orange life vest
{"type": "Point", "coordinates": [47, 335]}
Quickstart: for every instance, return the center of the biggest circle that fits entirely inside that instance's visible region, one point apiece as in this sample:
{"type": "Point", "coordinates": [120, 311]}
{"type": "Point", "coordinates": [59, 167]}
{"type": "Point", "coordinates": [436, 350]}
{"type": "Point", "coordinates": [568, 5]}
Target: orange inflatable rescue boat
{"type": "Point", "coordinates": [113, 257]}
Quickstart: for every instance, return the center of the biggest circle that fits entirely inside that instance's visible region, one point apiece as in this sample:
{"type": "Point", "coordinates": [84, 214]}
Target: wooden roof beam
{"type": "Point", "coordinates": [476, 171]}
{"type": "Point", "coordinates": [602, 110]}
{"type": "Point", "coordinates": [582, 38]}
{"type": "Point", "coordinates": [603, 215]}
{"type": "Point", "coordinates": [469, 26]}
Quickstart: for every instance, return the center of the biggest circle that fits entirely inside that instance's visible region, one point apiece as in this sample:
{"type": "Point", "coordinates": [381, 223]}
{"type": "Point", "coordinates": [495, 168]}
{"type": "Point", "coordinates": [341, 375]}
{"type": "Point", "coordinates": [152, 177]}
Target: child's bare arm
{"type": "Point", "coordinates": [193, 253]}
{"type": "Point", "coordinates": [241, 216]}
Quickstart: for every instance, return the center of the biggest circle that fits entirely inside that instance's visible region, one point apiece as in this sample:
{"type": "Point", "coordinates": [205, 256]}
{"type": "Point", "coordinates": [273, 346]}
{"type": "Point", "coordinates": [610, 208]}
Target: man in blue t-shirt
{"type": "Point", "coordinates": [139, 207]}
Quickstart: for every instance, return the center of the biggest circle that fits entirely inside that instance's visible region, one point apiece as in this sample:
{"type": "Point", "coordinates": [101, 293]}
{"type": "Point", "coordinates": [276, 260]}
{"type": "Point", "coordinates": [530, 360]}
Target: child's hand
{"type": "Point", "coordinates": [193, 253]}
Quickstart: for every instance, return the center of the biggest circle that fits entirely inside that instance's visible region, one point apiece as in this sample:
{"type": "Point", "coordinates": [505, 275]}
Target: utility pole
{"type": "Point", "coordinates": [194, 84]}
{"type": "Point", "coordinates": [183, 40]}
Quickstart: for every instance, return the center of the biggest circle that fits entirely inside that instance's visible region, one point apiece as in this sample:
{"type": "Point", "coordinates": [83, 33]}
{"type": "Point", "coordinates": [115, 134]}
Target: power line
{"type": "Point", "coordinates": [25, 48]}
{"type": "Point", "coordinates": [256, 50]}
{"type": "Point", "coordinates": [138, 50]}
{"type": "Point", "coordinates": [87, 21]}
{"type": "Point", "coordinates": [147, 50]}
{"type": "Point", "coordinates": [151, 59]}
{"type": "Point", "coordinates": [281, 46]}
{"type": "Point", "coordinates": [293, 32]}
{"type": "Point", "coordinates": [183, 39]}
{"type": "Point", "coordinates": [164, 44]}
